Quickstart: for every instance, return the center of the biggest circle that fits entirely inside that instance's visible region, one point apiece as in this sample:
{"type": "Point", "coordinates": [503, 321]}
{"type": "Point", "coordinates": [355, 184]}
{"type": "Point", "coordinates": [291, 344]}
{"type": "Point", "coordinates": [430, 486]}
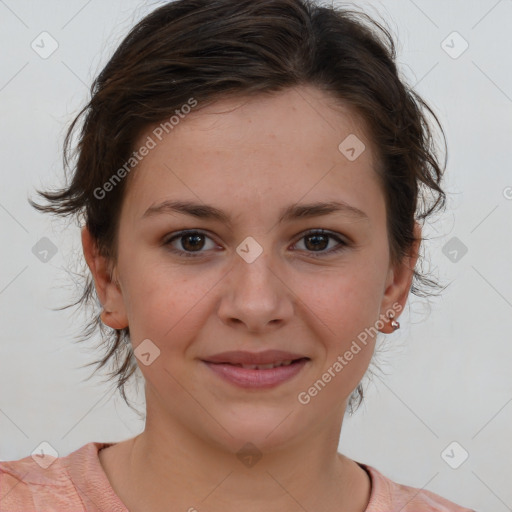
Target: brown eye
{"type": "Point", "coordinates": [189, 243]}
{"type": "Point", "coordinates": [318, 240]}
{"type": "Point", "coordinates": [192, 242]}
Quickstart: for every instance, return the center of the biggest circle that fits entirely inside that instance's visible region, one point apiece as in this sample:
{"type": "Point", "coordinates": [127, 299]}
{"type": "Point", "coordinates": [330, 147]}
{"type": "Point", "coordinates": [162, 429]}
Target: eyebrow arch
{"type": "Point", "coordinates": [293, 212]}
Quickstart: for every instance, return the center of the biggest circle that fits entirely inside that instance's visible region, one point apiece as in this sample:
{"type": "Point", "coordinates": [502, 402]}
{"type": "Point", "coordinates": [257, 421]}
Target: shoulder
{"type": "Point", "coordinates": [41, 482]}
{"type": "Point", "coordinates": [392, 496]}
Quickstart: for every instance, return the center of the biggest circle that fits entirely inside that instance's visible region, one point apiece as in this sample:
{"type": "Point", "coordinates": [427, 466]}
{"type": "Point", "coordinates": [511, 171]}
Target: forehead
{"type": "Point", "coordinates": [291, 116]}
{"type": "Point", "coordinates": [285, 144]}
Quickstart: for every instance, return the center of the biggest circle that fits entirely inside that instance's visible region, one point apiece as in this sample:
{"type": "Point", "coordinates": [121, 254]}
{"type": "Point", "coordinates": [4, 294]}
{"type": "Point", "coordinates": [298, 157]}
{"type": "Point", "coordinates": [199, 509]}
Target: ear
{"type": "Point", "coordinates": [107, 287]}
{"type": "Point", "coordinates": [399, 282]}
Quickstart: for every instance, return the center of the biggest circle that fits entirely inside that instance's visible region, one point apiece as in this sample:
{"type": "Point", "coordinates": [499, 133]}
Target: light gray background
{"type": "Point", "coordinates": [448, 367]}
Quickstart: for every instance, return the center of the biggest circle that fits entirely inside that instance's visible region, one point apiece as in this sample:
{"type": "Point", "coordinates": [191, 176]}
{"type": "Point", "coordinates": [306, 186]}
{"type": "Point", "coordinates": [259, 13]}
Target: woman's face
{"type": "Point", "coordinates": [254, 282]}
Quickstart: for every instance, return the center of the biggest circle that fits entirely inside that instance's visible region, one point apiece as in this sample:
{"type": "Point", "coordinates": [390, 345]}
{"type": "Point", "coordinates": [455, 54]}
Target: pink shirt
{"type": "Point", "coordinates": [77, 483]}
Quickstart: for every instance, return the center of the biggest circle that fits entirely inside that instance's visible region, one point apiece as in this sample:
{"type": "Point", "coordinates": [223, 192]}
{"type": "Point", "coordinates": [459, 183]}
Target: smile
{"type": "Point", "coordinates": [255, 376]}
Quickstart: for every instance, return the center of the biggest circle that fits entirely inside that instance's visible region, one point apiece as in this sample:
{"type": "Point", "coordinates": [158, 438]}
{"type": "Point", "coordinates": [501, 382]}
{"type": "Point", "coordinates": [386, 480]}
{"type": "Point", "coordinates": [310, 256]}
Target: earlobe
{"type": "Point", "coordinates": [398, 287]}
{"type": "Point", "coordinates": [107, 288]}
{"type": "Point", "coordinates": [110, 319]}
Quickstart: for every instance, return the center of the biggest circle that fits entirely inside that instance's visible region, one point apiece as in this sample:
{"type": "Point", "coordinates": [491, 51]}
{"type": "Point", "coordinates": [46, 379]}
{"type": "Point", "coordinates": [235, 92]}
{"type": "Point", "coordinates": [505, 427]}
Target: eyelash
{"type": "Point", "coordinates": [315, 254]}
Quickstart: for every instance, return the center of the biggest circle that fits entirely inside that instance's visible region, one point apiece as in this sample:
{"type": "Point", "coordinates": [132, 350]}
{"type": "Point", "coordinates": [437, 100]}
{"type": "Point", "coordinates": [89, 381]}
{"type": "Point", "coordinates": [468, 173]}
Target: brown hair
{"type": "Point", "coordinates": [210, 49]}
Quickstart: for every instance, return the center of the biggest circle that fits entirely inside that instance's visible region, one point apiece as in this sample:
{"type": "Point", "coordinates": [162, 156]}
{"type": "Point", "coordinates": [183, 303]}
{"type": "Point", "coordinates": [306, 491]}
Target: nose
{"type": "Point", "coordinates": [255, 296]}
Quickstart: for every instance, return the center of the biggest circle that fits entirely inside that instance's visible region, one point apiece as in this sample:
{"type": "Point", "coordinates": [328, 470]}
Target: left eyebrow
{"type": "Point", "coordinates": [290, 213]}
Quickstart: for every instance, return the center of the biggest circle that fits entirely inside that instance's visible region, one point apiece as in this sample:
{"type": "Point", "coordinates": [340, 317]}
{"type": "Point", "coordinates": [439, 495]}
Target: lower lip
{"type": "Point", "coordinates": [260, 379]}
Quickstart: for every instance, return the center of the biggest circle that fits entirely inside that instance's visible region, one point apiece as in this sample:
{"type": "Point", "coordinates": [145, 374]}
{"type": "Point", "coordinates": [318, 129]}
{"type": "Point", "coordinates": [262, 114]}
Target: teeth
{"type": "Point", "coordinates": [266, 366]}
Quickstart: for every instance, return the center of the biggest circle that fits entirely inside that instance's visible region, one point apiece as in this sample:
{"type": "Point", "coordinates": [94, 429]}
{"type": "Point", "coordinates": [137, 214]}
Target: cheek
{"type": "Point", "coordinates": [345, 310]}
{"type": "Point", "coordinates": [345, 303]}
{"type": "Point", "coordinates": [345, 299]}
{"type": "Point", "coordinates": [162, 301]}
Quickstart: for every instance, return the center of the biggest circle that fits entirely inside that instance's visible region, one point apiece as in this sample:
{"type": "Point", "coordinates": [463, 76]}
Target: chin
{"type": "Point", "coordinates": [265, 431]}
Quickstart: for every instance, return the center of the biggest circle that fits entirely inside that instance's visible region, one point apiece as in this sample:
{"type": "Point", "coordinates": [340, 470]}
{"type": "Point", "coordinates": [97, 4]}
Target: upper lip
{"type": "Point", "coordinates": [265, 357]}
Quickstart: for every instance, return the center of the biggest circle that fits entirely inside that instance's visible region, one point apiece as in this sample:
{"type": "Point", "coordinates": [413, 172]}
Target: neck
{"type": "Point", "coordinates": [168, 464]}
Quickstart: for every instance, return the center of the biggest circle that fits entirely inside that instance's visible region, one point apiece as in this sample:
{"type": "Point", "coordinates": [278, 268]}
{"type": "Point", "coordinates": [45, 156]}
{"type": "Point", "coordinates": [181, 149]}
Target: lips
{"type": "Point", "coordinates": [256, 370]}
{"type": "Point", "coordinates": [260, 360]}
{"type": "Point", "coordinates": [263, 366]}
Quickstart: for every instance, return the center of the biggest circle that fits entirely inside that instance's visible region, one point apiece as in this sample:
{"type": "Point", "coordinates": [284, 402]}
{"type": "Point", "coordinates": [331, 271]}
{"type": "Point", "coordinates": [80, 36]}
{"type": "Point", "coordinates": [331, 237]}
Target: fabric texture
{"type": "Point", "coordinates": [78, 483]}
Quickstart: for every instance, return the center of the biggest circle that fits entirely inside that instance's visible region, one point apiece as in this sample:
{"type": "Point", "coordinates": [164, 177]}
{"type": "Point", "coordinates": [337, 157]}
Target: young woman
{"type": "Point", "coordinates": [252, 177]}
